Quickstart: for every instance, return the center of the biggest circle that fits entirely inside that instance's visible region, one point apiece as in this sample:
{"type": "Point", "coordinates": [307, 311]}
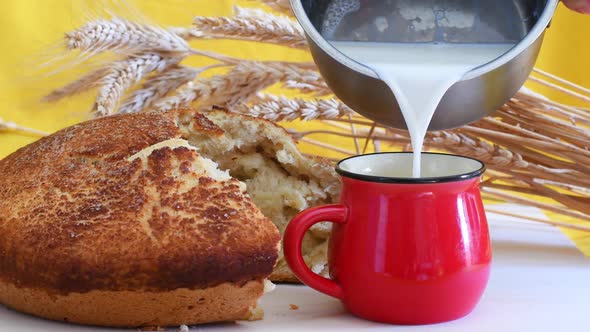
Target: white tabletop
{"type": "Point", "coordinates": [539, 282]}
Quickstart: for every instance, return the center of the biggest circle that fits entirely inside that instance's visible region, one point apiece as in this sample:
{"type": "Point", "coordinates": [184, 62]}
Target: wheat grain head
{"type": "Point", "coordinates": [121, 35]}
{"type": "Point", "coordinates": [123, 74]}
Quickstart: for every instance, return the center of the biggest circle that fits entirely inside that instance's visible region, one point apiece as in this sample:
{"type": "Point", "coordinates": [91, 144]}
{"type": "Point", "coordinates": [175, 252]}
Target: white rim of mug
{"type": "Point", "coordinates": [427, 180]}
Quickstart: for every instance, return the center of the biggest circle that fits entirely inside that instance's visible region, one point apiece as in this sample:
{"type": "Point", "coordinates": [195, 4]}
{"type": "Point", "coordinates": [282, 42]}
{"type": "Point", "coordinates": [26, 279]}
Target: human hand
{"type": "Point", "coordinates": [581, 6]}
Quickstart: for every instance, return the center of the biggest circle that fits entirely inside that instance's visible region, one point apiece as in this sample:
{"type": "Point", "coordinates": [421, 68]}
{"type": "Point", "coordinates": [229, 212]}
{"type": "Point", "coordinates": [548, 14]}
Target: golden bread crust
{"type": "Point", "coordinates": [224, 302]}
{"type": "Point", "coordinates": [86, 210]}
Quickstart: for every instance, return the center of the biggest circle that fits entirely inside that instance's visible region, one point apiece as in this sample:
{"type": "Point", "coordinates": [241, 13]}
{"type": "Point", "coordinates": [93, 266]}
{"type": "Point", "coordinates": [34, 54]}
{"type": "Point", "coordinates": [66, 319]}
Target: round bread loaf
{"type": "Point", "coordinates": [120, 221]}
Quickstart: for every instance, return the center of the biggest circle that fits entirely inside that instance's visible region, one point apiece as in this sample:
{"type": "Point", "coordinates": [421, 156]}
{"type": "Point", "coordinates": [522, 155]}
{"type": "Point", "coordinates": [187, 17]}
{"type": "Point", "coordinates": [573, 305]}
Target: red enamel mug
{"type": "Point", "coordinates": [403, 250]}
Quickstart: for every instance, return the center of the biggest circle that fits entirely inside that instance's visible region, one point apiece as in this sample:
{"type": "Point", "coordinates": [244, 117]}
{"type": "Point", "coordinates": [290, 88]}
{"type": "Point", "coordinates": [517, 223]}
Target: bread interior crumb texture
{"type": "Point", "coordinates": [279, 179]}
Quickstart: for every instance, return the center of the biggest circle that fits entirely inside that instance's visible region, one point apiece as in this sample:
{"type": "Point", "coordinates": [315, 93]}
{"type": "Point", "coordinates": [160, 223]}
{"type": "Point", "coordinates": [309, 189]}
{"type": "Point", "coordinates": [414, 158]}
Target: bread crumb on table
{"type": "Point", "coordinates": [181, 328]}
{"type": "Point", "coordinates": [293, 306]}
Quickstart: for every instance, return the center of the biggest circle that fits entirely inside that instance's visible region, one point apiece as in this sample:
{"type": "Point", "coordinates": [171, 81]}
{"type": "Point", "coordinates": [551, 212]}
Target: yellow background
{"type": "Point", "coordinates": [31, 33]}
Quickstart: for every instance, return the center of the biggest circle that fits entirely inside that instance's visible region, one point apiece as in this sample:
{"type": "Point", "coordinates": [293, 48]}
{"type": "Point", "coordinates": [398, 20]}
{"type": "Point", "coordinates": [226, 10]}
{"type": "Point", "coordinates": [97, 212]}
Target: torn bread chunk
{"type": "Point", "coordinates": [280, 179]}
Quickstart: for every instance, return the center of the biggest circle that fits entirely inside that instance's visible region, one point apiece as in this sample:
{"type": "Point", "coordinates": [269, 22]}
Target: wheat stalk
{"type": "Point", "coordinates": [123, 75]}
{"type": "Point", "coordinates": [281, 108]}
{"type": "Point", "coordinates": [315, 88]}
{"type": "Point", "coordinates": [86, 82]}
{"type": "Point", "coordinates": [252, 25]}
{"type": "Point", "coordinates": [538, 179]}
{"type": "Point", "coordinates": [157, 87]}
{"type": "Point", "coordinates": [497, 162]}
{"type": "Point", "coordinates": [539, 220]}
{"type": "Point", "coordinates": [238, 85]}
{"type": "Point", "coordinates": [118, 34]}
{"type": "Point", "coordinates": [282, 6]}
{"type": "Point", "coordinates": [497, 157]}
{"type": "Point", "coordinates": [12, 126]}
{"type": "Point", "coordinates": [311, 83]}
{"type": "Point", "coordinates": [493, 154]}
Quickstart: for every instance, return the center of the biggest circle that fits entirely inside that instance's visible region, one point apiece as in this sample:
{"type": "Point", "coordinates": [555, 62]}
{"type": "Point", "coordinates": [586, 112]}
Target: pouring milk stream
{"type": "Point", "coordinates": [418, 73]}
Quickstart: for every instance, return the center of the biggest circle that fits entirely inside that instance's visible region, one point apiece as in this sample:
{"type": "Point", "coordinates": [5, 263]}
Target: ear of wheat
{"type": "Point", "coordinates": [252, 25]}
{"type": "Point", "coordinates": [282, 6]}
{"type": "Point", "coordinates": [537, 150]}
{"type": "Point", "coordinates": [157, 87]}
{"type": "Point", "coordinates": [122, 75]}
{"type": "Point", "coordinates": [122, 35]}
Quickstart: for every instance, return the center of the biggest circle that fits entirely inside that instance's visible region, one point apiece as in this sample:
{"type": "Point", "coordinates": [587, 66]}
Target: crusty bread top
{"type": "Point", "coordinates": [98, 206]}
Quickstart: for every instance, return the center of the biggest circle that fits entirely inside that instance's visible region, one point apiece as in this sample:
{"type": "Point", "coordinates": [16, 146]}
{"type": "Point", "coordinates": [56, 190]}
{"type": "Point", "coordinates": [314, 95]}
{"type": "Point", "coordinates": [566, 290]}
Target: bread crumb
{"type": "Point", "coordinates": [268, 285]}
{"type": "Point", "coordinates": [255, 312]}
{"type": "Point", "coordinates": [293, 307]}
{"type": "Point", "coordinates": [152, 328]}
{"type": "Point", "coordinates": [183, 328]}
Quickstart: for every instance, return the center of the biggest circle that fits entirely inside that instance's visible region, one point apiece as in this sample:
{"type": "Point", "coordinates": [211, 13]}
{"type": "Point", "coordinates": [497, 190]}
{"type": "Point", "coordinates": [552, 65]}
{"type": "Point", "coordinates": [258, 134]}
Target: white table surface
{"type": "Point", "coordinates": [539, 282]}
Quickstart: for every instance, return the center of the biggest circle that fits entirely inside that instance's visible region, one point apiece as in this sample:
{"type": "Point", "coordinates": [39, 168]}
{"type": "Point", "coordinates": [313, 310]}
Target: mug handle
{"type": "Point", "coordinates": [292, 245]}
